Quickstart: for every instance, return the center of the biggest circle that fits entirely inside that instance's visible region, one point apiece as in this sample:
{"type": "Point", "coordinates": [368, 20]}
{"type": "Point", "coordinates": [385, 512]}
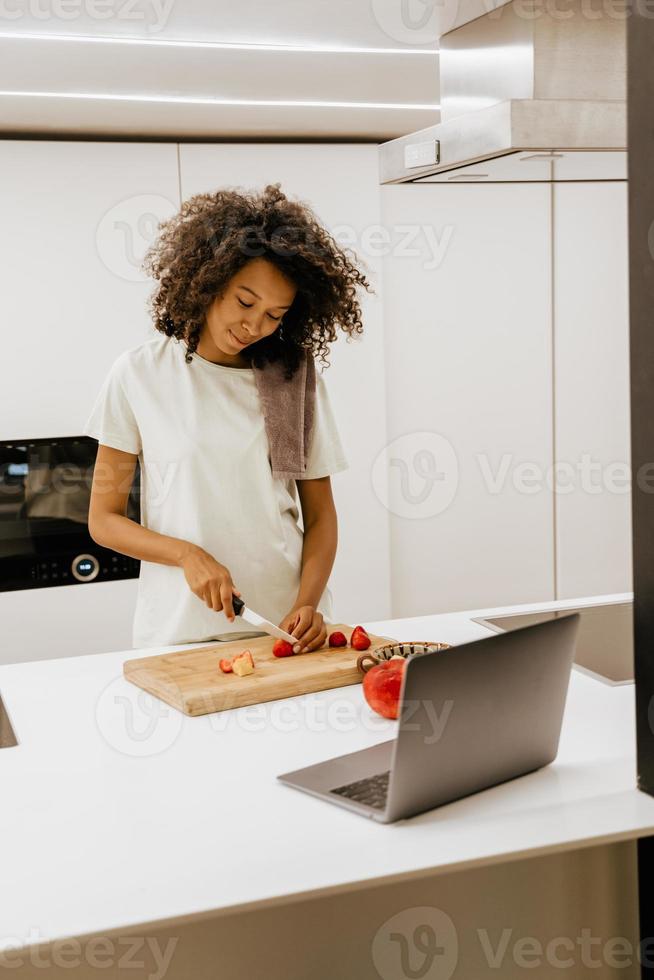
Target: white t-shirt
{"type": "Point", "coordinates": [206, 477]}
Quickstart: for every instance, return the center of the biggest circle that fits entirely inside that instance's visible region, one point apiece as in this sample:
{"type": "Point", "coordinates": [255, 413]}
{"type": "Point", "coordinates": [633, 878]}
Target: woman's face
{"type": "Point", "coordinates": [250, 308]}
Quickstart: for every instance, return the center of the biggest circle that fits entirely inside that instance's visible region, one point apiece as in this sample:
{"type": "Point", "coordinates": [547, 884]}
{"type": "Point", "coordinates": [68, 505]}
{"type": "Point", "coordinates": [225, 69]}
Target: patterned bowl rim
{"type": "Point", "coordinates": [405, 649]}
{"type": "Point", "coordinates": [422, 645]}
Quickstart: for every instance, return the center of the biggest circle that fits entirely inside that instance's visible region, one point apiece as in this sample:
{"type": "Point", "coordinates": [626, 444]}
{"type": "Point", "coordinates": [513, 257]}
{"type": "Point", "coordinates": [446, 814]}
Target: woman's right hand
{"type": "Point", "coordinates": [209, 580]}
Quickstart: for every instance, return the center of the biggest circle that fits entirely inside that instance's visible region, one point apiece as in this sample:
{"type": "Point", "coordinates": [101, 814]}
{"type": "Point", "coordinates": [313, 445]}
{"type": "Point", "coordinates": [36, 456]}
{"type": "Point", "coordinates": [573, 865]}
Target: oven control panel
{"type": "Point", "coordinates": [39, 572]}
{"type": "Point", "coordinates": [85, 567]}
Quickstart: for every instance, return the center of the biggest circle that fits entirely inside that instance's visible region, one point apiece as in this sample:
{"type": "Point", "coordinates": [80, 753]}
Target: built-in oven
{"type": "Point", "coordinates": [45, 488]}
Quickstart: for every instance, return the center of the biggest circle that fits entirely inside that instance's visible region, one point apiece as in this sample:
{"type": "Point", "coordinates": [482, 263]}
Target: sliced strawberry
{"type": "Point", "coordinates": [359, 639]}
{"type": "Point", "coordinates": [282, 648]}
{"type": "Point", "coordinates": [337, 639]}
{"type": "Point", "coordinates": [226, 666]}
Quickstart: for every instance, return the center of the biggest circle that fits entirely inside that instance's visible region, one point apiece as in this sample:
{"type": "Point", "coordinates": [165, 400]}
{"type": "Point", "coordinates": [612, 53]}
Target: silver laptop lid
{"type": "Point", "coordinates": [479, 714]}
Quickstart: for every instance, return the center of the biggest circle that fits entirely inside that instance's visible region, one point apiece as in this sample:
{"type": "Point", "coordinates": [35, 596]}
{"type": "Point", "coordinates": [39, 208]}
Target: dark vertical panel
{"type": "Point", "coordinates": [645, 879]}
{"type": "Point", "coordinates": [640, 140]}
{"type": "Point", "coordinates": [640, 88]}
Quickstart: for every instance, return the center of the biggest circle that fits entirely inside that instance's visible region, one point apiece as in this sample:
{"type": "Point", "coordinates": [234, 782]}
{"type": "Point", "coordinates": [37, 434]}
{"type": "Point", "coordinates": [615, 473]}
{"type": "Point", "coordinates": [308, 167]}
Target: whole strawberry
{"type": "Point", "coordinates": [282, 648]}
{"type": "Point", "coordinates": [359, 639]}
{"type": "Point", "coordinates": [337, 639]}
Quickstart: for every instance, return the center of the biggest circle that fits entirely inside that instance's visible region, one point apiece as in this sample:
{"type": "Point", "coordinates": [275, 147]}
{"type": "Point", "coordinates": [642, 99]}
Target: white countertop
{"type": "Point", "coordinates": [117, 810]}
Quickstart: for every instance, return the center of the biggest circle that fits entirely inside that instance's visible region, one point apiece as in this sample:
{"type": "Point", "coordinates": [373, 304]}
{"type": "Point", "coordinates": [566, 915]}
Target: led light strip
{"type": "Point", "coordinates": [226, 45]}
{"type": "Point", "coordinates": [199, 100]}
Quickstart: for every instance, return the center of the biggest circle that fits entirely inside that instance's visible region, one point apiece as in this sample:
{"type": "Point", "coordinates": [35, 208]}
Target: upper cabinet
{"type": "Point", "coordinates": [506, 315]}
{"type": "Point", "coordinates": [77, 218]}
{"type": "Point", "coordinates": [467, 316]}
{"type": "Point", "coordinates": [591, 344]}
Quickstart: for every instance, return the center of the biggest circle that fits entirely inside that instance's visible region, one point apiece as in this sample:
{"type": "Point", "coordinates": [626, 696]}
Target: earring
{"type": "Point", "coordinates": [281, 332]}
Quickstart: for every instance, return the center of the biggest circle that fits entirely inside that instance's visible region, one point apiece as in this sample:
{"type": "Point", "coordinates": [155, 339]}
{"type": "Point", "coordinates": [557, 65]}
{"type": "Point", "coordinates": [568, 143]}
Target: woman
{"type": "Point", "coordinates": [244, 280]}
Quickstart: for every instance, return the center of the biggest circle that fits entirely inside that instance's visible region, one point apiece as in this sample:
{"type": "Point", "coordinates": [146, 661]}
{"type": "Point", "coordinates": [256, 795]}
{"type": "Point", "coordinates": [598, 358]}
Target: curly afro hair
{"type": "Point", "coordinates": [214, 235]}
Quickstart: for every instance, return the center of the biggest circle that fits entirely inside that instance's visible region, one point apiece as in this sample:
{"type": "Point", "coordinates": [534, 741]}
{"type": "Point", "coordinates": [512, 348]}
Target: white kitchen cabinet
{"type": "Point", "coordinates": [66, 621]}
{"type": "Point", "coordinates": [591, 344]}
{"type": "Point", "coordinates": [467, 319]}
{"type": "Point", "coordinates": [76, 219]}
{"type": "Point", "coordinates": [347, 203]}
{"type": "Point", "coordinates": [504, 338]}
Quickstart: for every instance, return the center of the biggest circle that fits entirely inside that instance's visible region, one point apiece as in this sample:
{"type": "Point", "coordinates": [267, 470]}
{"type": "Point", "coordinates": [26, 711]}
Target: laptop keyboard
{"type": "Point", "coordinates": [371, 791]}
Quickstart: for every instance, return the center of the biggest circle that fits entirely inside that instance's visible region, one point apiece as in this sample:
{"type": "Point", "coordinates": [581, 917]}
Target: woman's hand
{"type": "Point", "coordinates": [209, 580]}
{"type": "Point", "coordinates": [307, 625]}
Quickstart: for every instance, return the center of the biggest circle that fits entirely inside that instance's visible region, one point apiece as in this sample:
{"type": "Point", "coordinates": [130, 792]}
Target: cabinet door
{"type": "Point", "coordinates": [593, 502]}
{"type": "Point", "coordinates": [348, 205]}
{"type": "Point", "coordinates": [76, 220]}
{"type": "Point", "coordinates": [467, 321]}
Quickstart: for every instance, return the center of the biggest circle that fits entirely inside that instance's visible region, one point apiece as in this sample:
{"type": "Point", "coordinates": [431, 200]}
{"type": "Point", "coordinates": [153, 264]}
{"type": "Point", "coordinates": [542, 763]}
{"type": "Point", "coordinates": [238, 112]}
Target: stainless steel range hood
{"type": "Point", "coordinates": [533, 90]}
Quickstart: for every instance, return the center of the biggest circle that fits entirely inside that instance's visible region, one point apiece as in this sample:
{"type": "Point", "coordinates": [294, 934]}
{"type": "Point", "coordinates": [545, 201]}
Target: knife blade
{"type": "Point", "coordinates": [250, 616]}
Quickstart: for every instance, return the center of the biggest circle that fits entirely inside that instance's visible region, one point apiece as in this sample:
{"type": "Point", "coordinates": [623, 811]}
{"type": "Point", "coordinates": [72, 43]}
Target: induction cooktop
{"type": "Point", "coordinates": [605, 645]}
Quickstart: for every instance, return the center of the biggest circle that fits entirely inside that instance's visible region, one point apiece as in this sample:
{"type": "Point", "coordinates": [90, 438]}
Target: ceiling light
{"type": "Point", "coordinates": [227, 45]}
{"type": "Point", "coordinates": [202, 100]}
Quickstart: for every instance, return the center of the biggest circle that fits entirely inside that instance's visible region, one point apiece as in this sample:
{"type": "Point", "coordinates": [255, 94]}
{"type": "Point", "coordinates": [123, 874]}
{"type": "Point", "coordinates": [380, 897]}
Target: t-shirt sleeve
{"type": "Point", "coordinates": [326, 454]}
{"type": "Point", "coordinates": [112, 420]}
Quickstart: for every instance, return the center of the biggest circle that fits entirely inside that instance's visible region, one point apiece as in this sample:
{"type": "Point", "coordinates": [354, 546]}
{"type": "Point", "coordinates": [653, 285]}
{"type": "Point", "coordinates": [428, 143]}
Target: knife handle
{"type": "Point", "coordinates": [237, 604]}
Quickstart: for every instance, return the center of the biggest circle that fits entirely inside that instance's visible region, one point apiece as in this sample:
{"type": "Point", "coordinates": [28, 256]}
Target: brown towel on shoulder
{"type": "Point", "coordinates": [288, 411]}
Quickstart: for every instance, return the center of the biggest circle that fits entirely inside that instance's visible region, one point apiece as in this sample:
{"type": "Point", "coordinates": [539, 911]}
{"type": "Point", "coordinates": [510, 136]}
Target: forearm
{"type": "Point", "coordinates": [318, 554]}
{"type": "Point", "coordinates": [129, 538]}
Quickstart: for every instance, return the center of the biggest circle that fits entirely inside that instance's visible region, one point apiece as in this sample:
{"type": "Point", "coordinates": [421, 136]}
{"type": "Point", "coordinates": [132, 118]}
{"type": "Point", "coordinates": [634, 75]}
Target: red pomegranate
{"type": "Point", "coordinates": [381, 687]}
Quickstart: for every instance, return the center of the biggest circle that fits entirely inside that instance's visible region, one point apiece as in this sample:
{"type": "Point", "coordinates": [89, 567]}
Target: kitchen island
{"type": "Point", "coordinates": [121, 816]}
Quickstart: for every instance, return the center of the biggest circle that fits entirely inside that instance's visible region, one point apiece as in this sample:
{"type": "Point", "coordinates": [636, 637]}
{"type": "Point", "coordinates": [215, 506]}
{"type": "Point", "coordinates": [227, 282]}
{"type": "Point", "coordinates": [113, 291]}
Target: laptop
{"type": "Point", "coordinates": [471, 717]}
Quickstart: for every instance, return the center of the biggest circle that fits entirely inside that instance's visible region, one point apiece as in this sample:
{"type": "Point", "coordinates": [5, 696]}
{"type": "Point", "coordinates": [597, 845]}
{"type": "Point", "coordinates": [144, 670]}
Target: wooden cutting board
{"type": "Point", "coordinates": [192, 681]}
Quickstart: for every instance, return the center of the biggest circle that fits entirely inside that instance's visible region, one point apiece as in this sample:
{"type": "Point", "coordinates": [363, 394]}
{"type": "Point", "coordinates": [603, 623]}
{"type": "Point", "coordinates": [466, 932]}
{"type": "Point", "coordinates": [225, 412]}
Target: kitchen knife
{"type": "Point", "coordinates": [256, 620]}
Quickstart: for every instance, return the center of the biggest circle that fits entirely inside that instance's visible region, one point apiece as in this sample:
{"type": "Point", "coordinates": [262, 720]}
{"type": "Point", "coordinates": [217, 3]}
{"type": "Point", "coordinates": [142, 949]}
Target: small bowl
{"type": "Point", "coordinates": [371, 658]}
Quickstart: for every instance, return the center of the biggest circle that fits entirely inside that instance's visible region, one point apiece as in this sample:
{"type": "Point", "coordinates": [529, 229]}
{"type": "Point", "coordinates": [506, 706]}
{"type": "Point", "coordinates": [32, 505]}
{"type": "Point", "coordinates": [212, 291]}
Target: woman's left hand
{"type": "Point", "coordinates": [306, 624]}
